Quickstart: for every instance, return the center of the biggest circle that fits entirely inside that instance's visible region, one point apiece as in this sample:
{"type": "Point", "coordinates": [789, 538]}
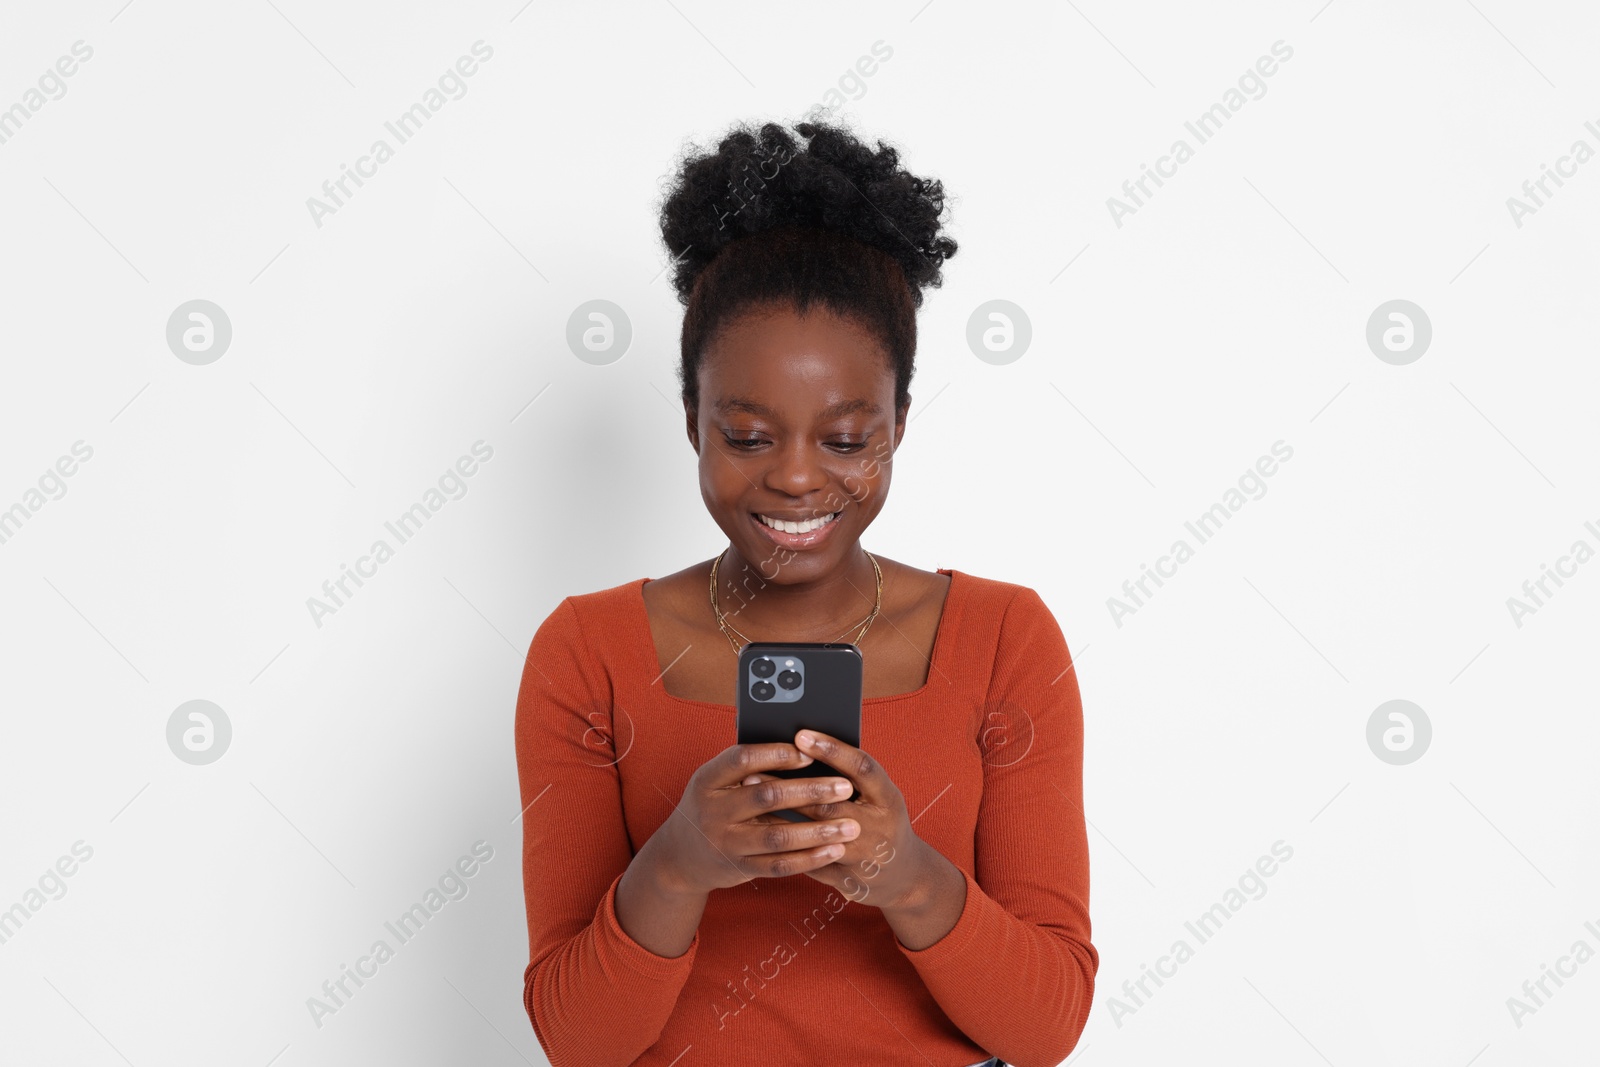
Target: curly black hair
{"type": "Point", "coordinates": [833, 221]}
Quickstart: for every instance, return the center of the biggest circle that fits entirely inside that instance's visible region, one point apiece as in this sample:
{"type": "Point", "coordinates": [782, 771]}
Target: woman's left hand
{"type": "Point", "coordinates": [883, 865]}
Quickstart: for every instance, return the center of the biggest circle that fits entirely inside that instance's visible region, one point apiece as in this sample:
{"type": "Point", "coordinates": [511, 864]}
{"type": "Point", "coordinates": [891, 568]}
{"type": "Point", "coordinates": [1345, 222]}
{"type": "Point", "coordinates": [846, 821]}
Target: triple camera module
{"type": "Point", "coordinates": [788, 672]}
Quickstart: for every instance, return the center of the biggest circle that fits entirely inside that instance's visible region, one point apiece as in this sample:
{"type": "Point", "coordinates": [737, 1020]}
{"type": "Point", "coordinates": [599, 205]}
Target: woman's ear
{"type": "Point", "coordinates": [900, 421]}
{"type": "Point", "coordinates": [692, 418]}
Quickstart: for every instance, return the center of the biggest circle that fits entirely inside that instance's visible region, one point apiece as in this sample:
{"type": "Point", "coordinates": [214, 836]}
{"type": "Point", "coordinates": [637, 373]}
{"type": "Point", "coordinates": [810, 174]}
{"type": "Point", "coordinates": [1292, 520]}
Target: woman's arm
{"type": "Point", "coordinates": [655, 911]}
{"type": "Point", "coordinates": [597, 990]}
{"type": "Point", "coordinates": [1016, 970]}
{"type": "Point", "coordinates": [929, 916]}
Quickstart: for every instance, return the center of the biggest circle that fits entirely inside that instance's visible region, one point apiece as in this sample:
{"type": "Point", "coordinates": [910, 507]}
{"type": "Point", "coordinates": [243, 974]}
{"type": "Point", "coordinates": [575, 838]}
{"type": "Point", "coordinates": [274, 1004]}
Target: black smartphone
{"type": "Point", "coordinates": [785, 688]}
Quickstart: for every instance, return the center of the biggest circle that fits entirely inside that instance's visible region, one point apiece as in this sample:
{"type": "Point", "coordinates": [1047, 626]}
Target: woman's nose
{"type": "Point", "coordinates": [796, 471]}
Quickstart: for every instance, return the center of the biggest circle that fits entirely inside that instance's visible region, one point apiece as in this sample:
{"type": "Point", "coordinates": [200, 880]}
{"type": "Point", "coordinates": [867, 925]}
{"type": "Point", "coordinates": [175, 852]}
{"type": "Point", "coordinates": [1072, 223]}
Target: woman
{"type": "Point", "coordinates": [942, 916]}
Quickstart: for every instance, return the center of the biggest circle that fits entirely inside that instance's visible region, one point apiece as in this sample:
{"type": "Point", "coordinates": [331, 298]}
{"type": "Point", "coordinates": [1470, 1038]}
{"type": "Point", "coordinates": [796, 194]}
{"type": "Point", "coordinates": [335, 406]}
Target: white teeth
{"type": "Point", "coordinates": [788, 526]}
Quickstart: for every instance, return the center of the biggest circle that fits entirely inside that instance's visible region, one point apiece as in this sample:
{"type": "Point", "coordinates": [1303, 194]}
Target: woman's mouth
{"type": "Point", "coordinates": [796, 533]}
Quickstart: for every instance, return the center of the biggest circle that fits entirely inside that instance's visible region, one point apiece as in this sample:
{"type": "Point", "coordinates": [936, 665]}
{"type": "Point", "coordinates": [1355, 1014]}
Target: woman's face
{"type": "Point", "coordinates": [796, 422]}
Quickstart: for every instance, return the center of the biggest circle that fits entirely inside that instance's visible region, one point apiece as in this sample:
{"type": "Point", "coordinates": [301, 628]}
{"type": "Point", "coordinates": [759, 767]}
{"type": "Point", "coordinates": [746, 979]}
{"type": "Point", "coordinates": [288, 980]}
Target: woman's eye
{"type": "Point", "coordinates": [749, 444]}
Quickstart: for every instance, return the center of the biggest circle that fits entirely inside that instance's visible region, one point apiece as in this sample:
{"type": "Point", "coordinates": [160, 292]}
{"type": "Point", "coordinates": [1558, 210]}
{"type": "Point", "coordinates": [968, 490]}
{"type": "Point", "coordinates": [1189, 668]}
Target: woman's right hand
{"type": "Point", "coordinates": [723, 832]}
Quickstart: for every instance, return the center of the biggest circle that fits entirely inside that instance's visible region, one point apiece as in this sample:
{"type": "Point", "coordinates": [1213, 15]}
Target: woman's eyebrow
{"type": "Point", "coordinates": [752, 407]}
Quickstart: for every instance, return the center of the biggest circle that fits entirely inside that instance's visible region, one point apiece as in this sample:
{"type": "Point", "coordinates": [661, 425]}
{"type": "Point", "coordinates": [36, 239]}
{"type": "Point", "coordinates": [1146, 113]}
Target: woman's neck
{"type": "Point", "coordinates": [756, 599]}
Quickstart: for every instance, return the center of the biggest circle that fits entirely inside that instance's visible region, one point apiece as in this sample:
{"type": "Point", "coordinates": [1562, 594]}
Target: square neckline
{"type": "Point", "coordinates": [646, 643]}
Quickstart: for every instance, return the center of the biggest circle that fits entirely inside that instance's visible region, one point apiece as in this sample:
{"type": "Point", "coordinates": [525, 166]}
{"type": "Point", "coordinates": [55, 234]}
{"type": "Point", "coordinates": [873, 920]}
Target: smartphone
{"type": "Point", "coordinates": [785, 688]}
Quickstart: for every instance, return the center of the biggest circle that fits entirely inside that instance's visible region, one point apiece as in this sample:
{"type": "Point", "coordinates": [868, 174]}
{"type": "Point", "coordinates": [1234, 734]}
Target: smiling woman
{"type": "Point", "coordinates": [656, 871]}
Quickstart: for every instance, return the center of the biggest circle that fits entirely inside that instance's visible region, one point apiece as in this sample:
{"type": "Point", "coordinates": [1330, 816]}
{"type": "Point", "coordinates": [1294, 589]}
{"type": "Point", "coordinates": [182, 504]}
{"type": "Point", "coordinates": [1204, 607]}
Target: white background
{"type": "Point", "coordinates": [1228, 313]}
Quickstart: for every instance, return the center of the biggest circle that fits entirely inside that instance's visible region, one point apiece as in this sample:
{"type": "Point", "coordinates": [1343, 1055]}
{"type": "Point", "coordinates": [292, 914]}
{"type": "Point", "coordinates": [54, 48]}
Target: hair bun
{"type": "Point", "coordinates": [762, 178]}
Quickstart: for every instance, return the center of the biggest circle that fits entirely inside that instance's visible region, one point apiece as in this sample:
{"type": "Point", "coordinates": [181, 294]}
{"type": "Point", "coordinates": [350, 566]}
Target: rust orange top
{"type": "Point", "coordinates": [988, 754]}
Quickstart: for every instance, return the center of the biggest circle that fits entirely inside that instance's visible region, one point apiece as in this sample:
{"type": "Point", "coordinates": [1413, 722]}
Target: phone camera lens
{"type": "Point", "coordinates": [762, 668]}
{"type": "Point", "coordinates": [762, 690]}
{"type": "Point", "coordinates": [789, 680]}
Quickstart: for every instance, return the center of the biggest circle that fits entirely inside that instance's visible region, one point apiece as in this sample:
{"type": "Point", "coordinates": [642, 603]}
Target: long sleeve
{"type": "Point", "coordinates": [1016, 972]}
{"type": "Point", "coordinates": [594, 995]}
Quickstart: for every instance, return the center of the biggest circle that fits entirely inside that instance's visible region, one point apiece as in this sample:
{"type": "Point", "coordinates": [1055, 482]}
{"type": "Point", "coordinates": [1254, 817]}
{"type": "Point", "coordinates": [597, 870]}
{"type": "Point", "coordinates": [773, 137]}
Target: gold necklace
{"type": "Point", "coordinates": [725, 626]}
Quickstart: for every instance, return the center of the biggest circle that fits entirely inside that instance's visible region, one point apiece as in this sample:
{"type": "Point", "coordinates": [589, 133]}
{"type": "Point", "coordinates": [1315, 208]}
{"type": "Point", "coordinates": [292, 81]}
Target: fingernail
{"type": "Point", "coordinates": [805, 759]}
{"type": "Point", "coordinates": [842, 789]}
{"type": "Point", "coordinates": [804, 738]}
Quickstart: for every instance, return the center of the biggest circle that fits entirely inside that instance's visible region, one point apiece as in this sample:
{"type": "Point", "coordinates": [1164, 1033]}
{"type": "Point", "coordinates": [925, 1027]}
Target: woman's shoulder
{"type": "Point", "coordinates": [997, 612]}
{"type": "Point", "coordinates": [609, 598]}
{"type": "Point", "coordinates": [1010, 628]}
{"type": "Point", "coordinates": [610, 606]}
{"type": "Point", "coordinates": [977, 595]}
{"type": "Point", "coordinates": [995, 592]}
